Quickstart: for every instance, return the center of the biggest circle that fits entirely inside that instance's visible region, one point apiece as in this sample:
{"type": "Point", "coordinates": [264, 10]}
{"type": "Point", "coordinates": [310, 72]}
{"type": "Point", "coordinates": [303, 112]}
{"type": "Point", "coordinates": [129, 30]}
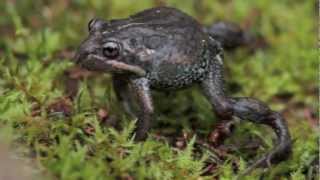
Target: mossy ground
{"type": "Point", "coordinates": [58, 117]}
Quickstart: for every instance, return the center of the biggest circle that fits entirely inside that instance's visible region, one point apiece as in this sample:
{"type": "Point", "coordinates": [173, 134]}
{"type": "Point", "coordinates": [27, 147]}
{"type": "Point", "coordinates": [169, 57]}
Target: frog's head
{"type": "Point", "coordinates": [104, 51]}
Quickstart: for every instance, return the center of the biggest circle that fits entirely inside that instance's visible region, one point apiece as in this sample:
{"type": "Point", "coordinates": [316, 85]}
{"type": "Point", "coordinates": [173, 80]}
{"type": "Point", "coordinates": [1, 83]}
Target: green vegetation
{"type": "Point", "coordinates": [59, 117]}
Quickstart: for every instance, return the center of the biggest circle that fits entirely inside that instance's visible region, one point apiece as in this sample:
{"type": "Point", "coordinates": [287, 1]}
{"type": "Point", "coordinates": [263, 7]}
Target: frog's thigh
{"type": "Point", "coordinates": [213, 88]}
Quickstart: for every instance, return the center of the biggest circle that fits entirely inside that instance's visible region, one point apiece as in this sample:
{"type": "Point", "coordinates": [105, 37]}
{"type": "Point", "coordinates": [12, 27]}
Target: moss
{"type": "Point", "coordinates": [72, 139]}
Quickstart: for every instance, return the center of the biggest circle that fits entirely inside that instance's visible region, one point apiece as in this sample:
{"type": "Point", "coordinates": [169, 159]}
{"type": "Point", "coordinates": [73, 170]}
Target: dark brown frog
{"type": "Point", "coordinates": [165, 49]}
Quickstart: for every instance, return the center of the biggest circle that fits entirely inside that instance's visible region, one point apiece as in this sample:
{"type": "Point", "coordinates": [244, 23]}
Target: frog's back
{"type": "Point", "coordinates": [164, 30]}
{"type": "Point", "coordinates": [161, 15]}
{"type": "Point", "coordinates": [170, 45]}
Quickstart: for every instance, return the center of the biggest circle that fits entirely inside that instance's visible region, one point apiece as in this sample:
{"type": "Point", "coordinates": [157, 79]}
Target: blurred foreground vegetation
{"type": "Point", "coordinates": [58, 117]}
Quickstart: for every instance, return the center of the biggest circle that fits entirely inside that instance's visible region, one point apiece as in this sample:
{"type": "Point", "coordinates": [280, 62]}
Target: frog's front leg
{"type": "Point", "coordinates": [247, 109]}
{"type": "Point", "coordinates": [141, 89]}
{"type": "Point", "coordinates": [122, 91]}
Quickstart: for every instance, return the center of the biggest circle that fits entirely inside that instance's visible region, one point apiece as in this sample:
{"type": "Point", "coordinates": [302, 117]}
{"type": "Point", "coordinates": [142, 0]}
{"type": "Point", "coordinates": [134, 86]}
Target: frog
{"type": "Point", "coordinates": [165, 49]}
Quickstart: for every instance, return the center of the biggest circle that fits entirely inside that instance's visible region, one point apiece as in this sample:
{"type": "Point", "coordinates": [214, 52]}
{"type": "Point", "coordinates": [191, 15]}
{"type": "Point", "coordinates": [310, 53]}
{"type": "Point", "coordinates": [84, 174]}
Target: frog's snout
{"type": "Point", "coordinates": [81, 56]}
{"type": "Point", "coordinates": [87, 48]}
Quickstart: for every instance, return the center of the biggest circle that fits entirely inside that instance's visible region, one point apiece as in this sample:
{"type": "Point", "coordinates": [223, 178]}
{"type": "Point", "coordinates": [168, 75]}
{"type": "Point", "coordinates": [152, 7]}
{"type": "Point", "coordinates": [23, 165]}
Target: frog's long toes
{"type": "Point", "coordinates": [281, 152]}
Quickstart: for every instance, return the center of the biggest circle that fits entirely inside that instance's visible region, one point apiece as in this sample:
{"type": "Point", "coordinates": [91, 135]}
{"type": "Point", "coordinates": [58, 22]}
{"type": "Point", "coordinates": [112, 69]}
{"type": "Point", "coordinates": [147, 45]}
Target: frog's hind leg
{"type": "Point", "coordinates": [247, 109]}
{"type": "Point", "coordinates": [257, 112]}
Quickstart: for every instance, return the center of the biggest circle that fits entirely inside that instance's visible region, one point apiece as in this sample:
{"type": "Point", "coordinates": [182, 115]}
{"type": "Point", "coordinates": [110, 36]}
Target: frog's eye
{"type": "Point", "coordinates": [111, 50]}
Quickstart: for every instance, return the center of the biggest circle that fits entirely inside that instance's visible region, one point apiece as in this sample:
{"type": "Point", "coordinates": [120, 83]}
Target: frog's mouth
{"type": "Point", "coordinates": [97, 63]}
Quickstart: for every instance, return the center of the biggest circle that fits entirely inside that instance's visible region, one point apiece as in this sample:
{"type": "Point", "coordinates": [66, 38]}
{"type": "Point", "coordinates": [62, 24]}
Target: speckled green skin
{"type": "Point", "coordinates": [165, 49]}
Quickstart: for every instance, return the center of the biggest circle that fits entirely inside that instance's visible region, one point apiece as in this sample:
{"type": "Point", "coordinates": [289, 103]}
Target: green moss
{"type": "Point", "coordinates": [80, 146]}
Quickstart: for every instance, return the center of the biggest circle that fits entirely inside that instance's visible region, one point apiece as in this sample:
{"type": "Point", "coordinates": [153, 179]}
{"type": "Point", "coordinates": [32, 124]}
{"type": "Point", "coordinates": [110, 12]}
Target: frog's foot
{"type": "Point", "coordinates": [280, 152]}
{"type": "Point", "coordinates": [265, 161]}
{"type": "Point", "coordinates": [222, 131]}
{"type": "Point", "coordinates": [255, 111]}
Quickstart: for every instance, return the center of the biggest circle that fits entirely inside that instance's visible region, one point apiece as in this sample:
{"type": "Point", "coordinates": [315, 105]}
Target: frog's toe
{"type": "Point", "coordinates": [281, 152]}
